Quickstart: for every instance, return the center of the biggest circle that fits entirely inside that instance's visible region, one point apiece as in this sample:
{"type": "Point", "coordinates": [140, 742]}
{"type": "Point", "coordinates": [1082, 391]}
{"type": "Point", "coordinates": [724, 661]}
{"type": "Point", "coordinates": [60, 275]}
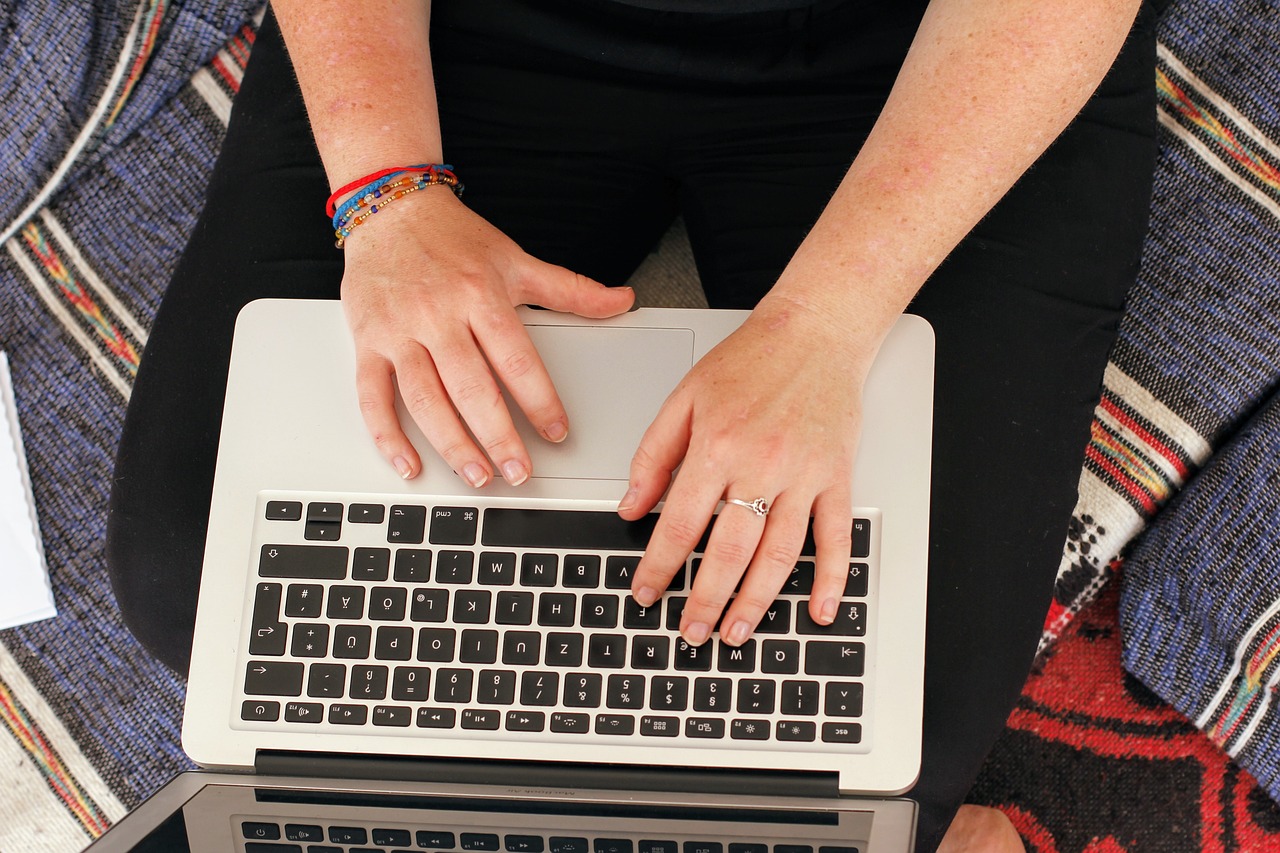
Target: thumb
{"type": "Point", "coordinates": [561, 289]}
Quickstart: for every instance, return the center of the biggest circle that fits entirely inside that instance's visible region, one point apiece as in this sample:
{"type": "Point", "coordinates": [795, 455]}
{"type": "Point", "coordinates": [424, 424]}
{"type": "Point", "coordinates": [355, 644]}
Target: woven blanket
{"type": "Point", "coordinates": [117, 112]}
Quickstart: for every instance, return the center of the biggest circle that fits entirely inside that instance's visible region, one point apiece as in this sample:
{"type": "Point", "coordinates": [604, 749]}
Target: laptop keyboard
{"type": "Point", "coordinates": [517, 622]}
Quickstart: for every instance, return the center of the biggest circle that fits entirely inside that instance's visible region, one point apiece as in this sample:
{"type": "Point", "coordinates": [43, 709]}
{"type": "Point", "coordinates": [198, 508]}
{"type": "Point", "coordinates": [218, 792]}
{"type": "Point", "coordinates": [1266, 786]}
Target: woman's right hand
{"type": "Point", "coordinates": [429, 291]}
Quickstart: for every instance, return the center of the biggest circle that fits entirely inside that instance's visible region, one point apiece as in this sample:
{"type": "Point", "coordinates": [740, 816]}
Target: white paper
{"type": "Point", "coordinates": [25, 594]}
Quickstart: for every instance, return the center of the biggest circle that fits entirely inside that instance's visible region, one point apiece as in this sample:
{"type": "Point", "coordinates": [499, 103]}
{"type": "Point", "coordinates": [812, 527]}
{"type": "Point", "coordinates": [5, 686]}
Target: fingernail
{"type": "Point", "coordinates": [475, 474]}
{"type": "Point", "coordinates": [696, 633]}
{"type": "Point", "coordinates": [646, 596]}
{"type": "Point", "coordinates": [515, 472]}
{"type": "Point", "coordinates": [828, 614]}
{"type": "Point", "coordinates": [403, 467]}
{"type": "Point", "coordinates": [738, 633]}
{"type": "Point", "coordinates": [629, 499]}
{"type": "Point", "coordinates": [557, 432]}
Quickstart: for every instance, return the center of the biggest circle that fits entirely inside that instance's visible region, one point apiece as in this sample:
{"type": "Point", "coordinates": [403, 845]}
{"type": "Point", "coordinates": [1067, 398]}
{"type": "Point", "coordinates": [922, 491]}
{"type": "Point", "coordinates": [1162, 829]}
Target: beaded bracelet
{"type": "Point", "coordinates": [347, 219]}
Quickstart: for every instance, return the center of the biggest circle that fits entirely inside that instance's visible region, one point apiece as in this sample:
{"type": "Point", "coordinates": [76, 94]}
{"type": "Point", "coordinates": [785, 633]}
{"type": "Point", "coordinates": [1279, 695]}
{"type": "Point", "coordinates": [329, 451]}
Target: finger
{"type": "Point", "coordinates": [517, 364]}
{"type": "Point", "coordinates": [736, 533]}
{"type": "Point", "coordinates": [680, 527]}
{"type": "Point", "coordinates": [428, 404]}
{"type": "Point", "coordinates": [562, 289]}
{"type": "Point", "coordinates": [774, 560]}
{"type": "Point", "coordinates": [376, 393]}
{"type": "Point", "coordinates": [833, 536]}
{"type": "Point", "coordinates": [662, 448]}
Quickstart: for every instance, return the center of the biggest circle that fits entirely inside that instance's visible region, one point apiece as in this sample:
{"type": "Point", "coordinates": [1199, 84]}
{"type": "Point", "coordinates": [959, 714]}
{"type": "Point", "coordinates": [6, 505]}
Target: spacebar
{"type": "Point", "coordinates": [565, 529]}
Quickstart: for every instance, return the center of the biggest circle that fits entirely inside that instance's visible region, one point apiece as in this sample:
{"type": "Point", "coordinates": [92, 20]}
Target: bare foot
{"type": "Point", "coordinates": [978, 829]}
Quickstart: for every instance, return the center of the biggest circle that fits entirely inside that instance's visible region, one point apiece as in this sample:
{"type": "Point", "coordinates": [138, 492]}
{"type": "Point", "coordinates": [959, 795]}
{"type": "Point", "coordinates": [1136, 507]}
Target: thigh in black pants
{"type": "Point", "coordinates": [585, 162]}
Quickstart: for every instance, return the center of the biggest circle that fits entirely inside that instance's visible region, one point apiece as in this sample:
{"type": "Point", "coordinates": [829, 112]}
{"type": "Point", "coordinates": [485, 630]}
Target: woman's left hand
{"type": "Point", "coordinates": [772, 412]}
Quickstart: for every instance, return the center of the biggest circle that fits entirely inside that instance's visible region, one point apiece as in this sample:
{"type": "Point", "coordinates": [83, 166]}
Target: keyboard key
{"type": "Point", "coordinates": [780, 657]}
{"type": "Point", "coordinates": [565, 530]}
{"type": "Point", "coordinates": [394, 642]}
{"type": "Point", "coordinates": [410, 683]}
{"type": "Point", "coordinates": [496, 687]}
{"type": "Point", "coordinates": [497, 568]}
{"type": "Point", "coordinates": [799, 697]}
{"type": "Point", "coordinates": [843, 699]}
{"type": "Point", "coordinates": [260, 831]}
{"type": "Point", "coordinates": [562, 844]}
{"type": "Point", "coordinates": [845, 658]}
{"type": "Point", "coordinates": [324, 521]}
{"type": "Point", "coordinates": [607, 651]}
{"type": "Point", "coordinates": [538, 570]}
{"type": "Point", "coordinates": [346, 602]}
{"type": "Point", "coordinates": [569, 723]}
{"type": "Point", "coordinates": [394, 838]}
{"type": "Point", "coordinates": [341, 714]}
{"type": "Point", "coordinates": [641, 618]}
{"type": "Point", "coordinates": [321, 562]}
{"type": "Point", "coordinates": [436, 644]}
{"type": "Point", "coordinates": [583, 689]}
{"type": "Point", "coordinates": [707, 847]}
{"type": "Point", "coordinates": [471, 606]}
{"type": "Point", "coordinates": [694, 658]}
{"type": "Point", "coordinates": [675, 611]}
{"type": "Point", "coordinates": [648, 846]}
{"type": "Point", "coordinates": [322, 531]}
{"type": "Point", "coordinates": [454, 567]}
{"type": "Point", "coordinates": [370, 564]}
{"type": "Point", "coordinates": [326, 680]}
{"type": "Point", "coordinates": [514, 608]}
{"type": "Point", "coordinates": [599, 611]}
{"type": "Point", "coordinates": [851, 621]}
{"type": "Point", "coordinates": [366, 513]}
{"type": "Point", "coordinates": [792, 848]}
{"type": "Point", "coordinates": [267, 634]}
{"type": "Point", "coordinates": [712, 694]}
{"type": "Point", "coordinates": [481, 719]}
{"type": "Point", "coordinates": [564, 649]}
{"type": "Point", "coordinates": [303, 712]}
{"type": "Point", "coordinates": [453, 525]}
{"type": "Point", "coordinates": [615, 724]}
{"type": "Point", "coordinates": [523, 843]}
{"type": "Point", "coordinates": [478, 646]}
{"type": "Point", "coordinates": [303, 832]}
{"type": "Point", "coordinates": [526, 721]}
{"type": "Point", "coordinates": [478, 841]}
{"type": "Point", "coordinates": [669, 693]}
{"type": "Point", "coordinates": [625, 691]}
{"type": "Point", "coordinates": [284, 510]}
{"type": "Point", "coordinates": [777, 618]}
{"type": "Point", "coordinates": [522, 648]}
{"type": "Point", "coordinates": [256, 711]}
{"type": "Point", "coordinates": [368, 682]}
{"type": "Point", "coordinates": [413, 565]}
{"type": "Point", "coordinates": [795, 730]}
{"type": "Point", "coordinates": [352, 642]}
{"type": "Point", "coordinates": [273, 678]}
{"type": "Point", "coordinates": [651, 726]}
{"type": "Point", "coordinates": [751, 847]}
{"type": "Point", "coordinates": [855, 583]}
{"type": "Point", "coordinates": [539, 688]}
{"type": "Point", "coordinates": [841, 733]}
{"type": "Point", "coordinates": [704, 727]}
{"type": "Point", "coordinates": [429, 605]}
{"type": "Point", "coordinates": [859, 547]}
{"type": "Point", "coordinates": [581, 571]}
{"type": "Point", "coordinates": [650, 652]}
{"type": "Point", "coordinates": [557, 609]}
{"type": "Point", "coordinates": [741, 729]}
{"type": "Point", "coordinates": [437, 718]}
{"type": "Point", "coordinates": [392, 715]}
{"type": "Point", "coordinates": [618, 571]}
{"type": "Point", "coordinates": [739, 659]}
{"type": "Point", "coordinates": [756, 696]}
{"type": "Point", "coordinates": [613, 845]}
{"type": "Point", "coordinates": [406, 525]}
{"type": "Point", "coordinates": [800, 581]}
{"type": "Point", "coordinates": [348, 835]}
{"type": "Point", "coordinates": [435, 840]}
{"type": "Point", "coordinates": [387, 603]}
{"type": "Point", "coordinates": [454, 685]}
{"type": "Point", "coordinates": [304, 600]}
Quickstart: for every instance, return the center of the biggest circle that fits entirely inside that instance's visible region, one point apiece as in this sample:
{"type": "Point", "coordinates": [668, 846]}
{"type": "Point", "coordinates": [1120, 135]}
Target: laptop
{"type": "Point", "coordinates": [382, 664]}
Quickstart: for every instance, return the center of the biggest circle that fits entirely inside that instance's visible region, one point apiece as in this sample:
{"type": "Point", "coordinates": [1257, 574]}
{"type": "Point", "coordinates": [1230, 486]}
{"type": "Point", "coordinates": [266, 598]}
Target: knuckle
{"type": "Point", "coordinates": [682, 532]}
{"type": "Point", "coordinates": [729, 552]}
{"type": "Point", "coordinates": [518, 363]}
{"type": "Point", "coordinates": [777, 556]}
{"type": "Point", "coordinates": [421, 401]}
{"type": "Point", "coordinates": [475, 391]}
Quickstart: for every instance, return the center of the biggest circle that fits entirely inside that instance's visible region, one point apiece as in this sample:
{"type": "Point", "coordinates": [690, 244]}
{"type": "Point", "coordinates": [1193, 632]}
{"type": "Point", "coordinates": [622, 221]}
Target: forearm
{"type": "Point", "coordinates": [365, 74]}
{"type": "Point", "coordinates": [985, 88]}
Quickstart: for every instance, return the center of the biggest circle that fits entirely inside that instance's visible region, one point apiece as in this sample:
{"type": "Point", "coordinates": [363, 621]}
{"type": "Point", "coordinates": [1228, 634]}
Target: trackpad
{"type": "Point", "coordinates": [612, 382]}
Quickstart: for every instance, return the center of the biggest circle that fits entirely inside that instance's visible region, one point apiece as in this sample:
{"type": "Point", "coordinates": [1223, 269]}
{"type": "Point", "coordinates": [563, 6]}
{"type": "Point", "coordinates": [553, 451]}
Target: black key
{"type": "Point", "coordinates": [387, 603]}
{"type": "Point", "coordinates": [749, 848]}
{"type": "Point", "coordinates": [454, 685]}
{"type": "Point", "coordinates": [366, 513]}
{"type": "Point", "coordinates": [497, 568]}
{"type": "Point", "coordinates": [756, 696]}
{"type": "Point", "coordinates": [792, 848]}
{"type": "Point", "coordinates": [477, 646]}
{"type": "Point", "coordinates": [841, 733]}
{"type": "Point", "coordinates": [613, 845]}
{"type": "Point", "coordinates": [740, 729]}
{"type": "Point", "coordinates": [713, 694]}
{"type": "Point", "coordinates": [625, 691]}
{"type": "Point", "coordinates": [454, 566]}
{"type": "Point", "coordinates": [570, 723]}
{"type": "Point", "coordinates": [859, 548]}
{"type": "Point", "coordinates": [565, 530]}
{"type": "Point", "coordinates": [795, 730]}
{"type": "Point", "coordinates": [648, 846]}
{"type": "Point", "coordinates": [413, 565]}
{"type": "Point", "coordinates": [348, 835]}
{"type": "Point", "coordinates": [843, 657]}
{"type": "Point", "coordinates": [708, 847]}
{"type": "Point", "coordinates": [523, 843]}
{"type": "Point", "coordinates": [704, 727]}
{"type": "Point", "coordinates": [851, 621]}
{"type": "Point", "coordinates": [352, 642]}
{"type": "Point", "coordinates": [538, 570]}
{"type": "Point", "coordinates": [267, 634]}
{"type": "Point", "coordinates": [370, 564]}
{"type": "Point", "coordinates": [641, 618]}
{"type": "Point", "coordinates": [780, 657]}
{"type": "Point", "coordinates": [514, 608]}
{"type": "Point", "coordinates": [321, 562]}
{"type": "Point", "coordinates": [368, 682]}
{"type": "Point", "coordinates": [471, 606]}
{"type": "Point", "coordinates": [481, 718]}
{"type": "Point", "coordinates": [650, 652]}
{"type": "Point", "coordinates": [599, 611]}
{"type": "Point", "coordinates": [346, 602]}
{"type": "Point", "coordinates": [669, 693]}
{"type": "Point", "coordinates": [397, 716]}
{"type": "Point", "coordinates": [539, 688]}
{"type": "Point", "coordinates": [436, 644]}
{"type": "Point", "coordinates": [406, 525]}
{"type": "Point", "coordinates": [618, 571]}
{"type": "Point", "coordinates": [453, 525]}
{"type": "Point", "coordinates": [392, 838]}
{"type": "Point", "coordinates": [435, 840]}
{"type": "Point", "coordinates": [437, 718]}
{"type": "Point", "coordinates": [583, 690]}
{"type": "Point", "coordinates": [564, 649]}
{"type": "Point", "coordinates": [341, 714]}
{"type": "Point", "coordinates": [800, 581]}
{"type": "Point", "coordinates": [615, 724]}
{"type": "Point", "coordinates": [694, 658]}
{"type": "Point", "coordinates": [799, 697]}
{"type": "Point", "coordinates": [581, 571]}
{"type": "Point", "coordinates": [777, 618]}
{"type": "Point", "coordinates": [410, 683]}
{"type": "Point", "coordinates": [273, 678]}
{"type": "Point", "coordinates": [478, 841]}
{"type": "Point", "coordinates": [737, 659]}
{"type": "Point", "coordinates": [303, 712]}
{"type": "Point", "coordinates": [429, 605]}
{"type": "Point", "coordinates": [843, 699]}
{"type": "Point", "coordinates": [653, 726]}
{"type": "Point", "coordinates": [324, 521]}
{"type": "Point", "coordinates": [260, 831]}
{"type": "Point", "coordinates": [521, 648]}
{"type": "Point", "coordinates": [675, 611]}
{"type": "Point", "coordinates": [257, 711]}
{"type": "Point", "coordinates": [284, 510]}
{"type": "Point", "coordinates": [607, 651]}
{"type": "Point", "coordinates": [526, 721]}
{"type": "Point", "coordinates": [496, 687]}
{"type": "Point", "coordinates": [855, 583]}
{"type": "Point", "coordinates": [326, 680]}
{"type": "Point", "coordinates": [303, 832]}
{"type": "Point", "coordinates": [394, 642]}
{"type": "Point", "coordinates": [557, 609]}
{"type": "Point", "coordinates": [562, 844]}
{"type": "Point", "coordinates": [304, 600]}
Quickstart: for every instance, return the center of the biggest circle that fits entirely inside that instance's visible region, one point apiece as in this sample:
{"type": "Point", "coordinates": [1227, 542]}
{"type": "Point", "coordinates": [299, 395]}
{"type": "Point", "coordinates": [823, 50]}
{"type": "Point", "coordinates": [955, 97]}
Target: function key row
{"type": "Point", "coordinates": [406, 524]}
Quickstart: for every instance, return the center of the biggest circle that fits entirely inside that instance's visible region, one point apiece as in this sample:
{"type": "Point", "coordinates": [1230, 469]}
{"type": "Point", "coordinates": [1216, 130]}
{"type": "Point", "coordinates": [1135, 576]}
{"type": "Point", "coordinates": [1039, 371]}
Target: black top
{"type": "Point", "coordinates": [723, 7]}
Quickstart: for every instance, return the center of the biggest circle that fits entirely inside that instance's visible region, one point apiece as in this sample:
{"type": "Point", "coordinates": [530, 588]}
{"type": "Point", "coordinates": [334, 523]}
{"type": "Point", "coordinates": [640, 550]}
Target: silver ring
{"type": "Point", "coordinates": [759, 506]}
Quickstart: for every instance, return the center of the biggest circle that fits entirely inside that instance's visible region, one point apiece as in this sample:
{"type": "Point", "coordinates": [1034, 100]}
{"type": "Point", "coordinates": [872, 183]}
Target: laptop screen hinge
{"type": "Point", "coordinates": [547, 774]}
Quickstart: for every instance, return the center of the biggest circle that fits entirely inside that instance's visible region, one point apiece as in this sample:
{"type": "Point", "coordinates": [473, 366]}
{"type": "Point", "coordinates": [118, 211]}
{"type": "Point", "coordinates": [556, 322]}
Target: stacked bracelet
{"type": "Point", "coordinates": [376, 191]}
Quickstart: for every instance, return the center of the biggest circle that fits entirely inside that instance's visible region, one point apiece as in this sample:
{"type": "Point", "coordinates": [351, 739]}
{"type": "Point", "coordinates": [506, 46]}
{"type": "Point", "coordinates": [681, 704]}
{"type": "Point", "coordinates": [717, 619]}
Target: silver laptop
{"type": "Point", "coordinates": [476, 653]}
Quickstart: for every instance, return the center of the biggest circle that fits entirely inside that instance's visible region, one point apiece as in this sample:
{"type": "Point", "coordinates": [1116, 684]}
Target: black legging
{"type": "Point", "coordinates": [581, 128]}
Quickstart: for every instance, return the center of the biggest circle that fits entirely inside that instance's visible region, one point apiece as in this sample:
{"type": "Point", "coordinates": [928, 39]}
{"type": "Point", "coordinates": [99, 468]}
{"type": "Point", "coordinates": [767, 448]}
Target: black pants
{"type": "Point", "coordinates": [581, 131]}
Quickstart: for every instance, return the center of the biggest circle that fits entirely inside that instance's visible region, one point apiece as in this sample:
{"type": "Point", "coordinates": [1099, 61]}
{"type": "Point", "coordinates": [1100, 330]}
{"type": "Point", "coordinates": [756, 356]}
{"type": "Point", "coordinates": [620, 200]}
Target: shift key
{"type": "Point", "coordinates": [326, 562]}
